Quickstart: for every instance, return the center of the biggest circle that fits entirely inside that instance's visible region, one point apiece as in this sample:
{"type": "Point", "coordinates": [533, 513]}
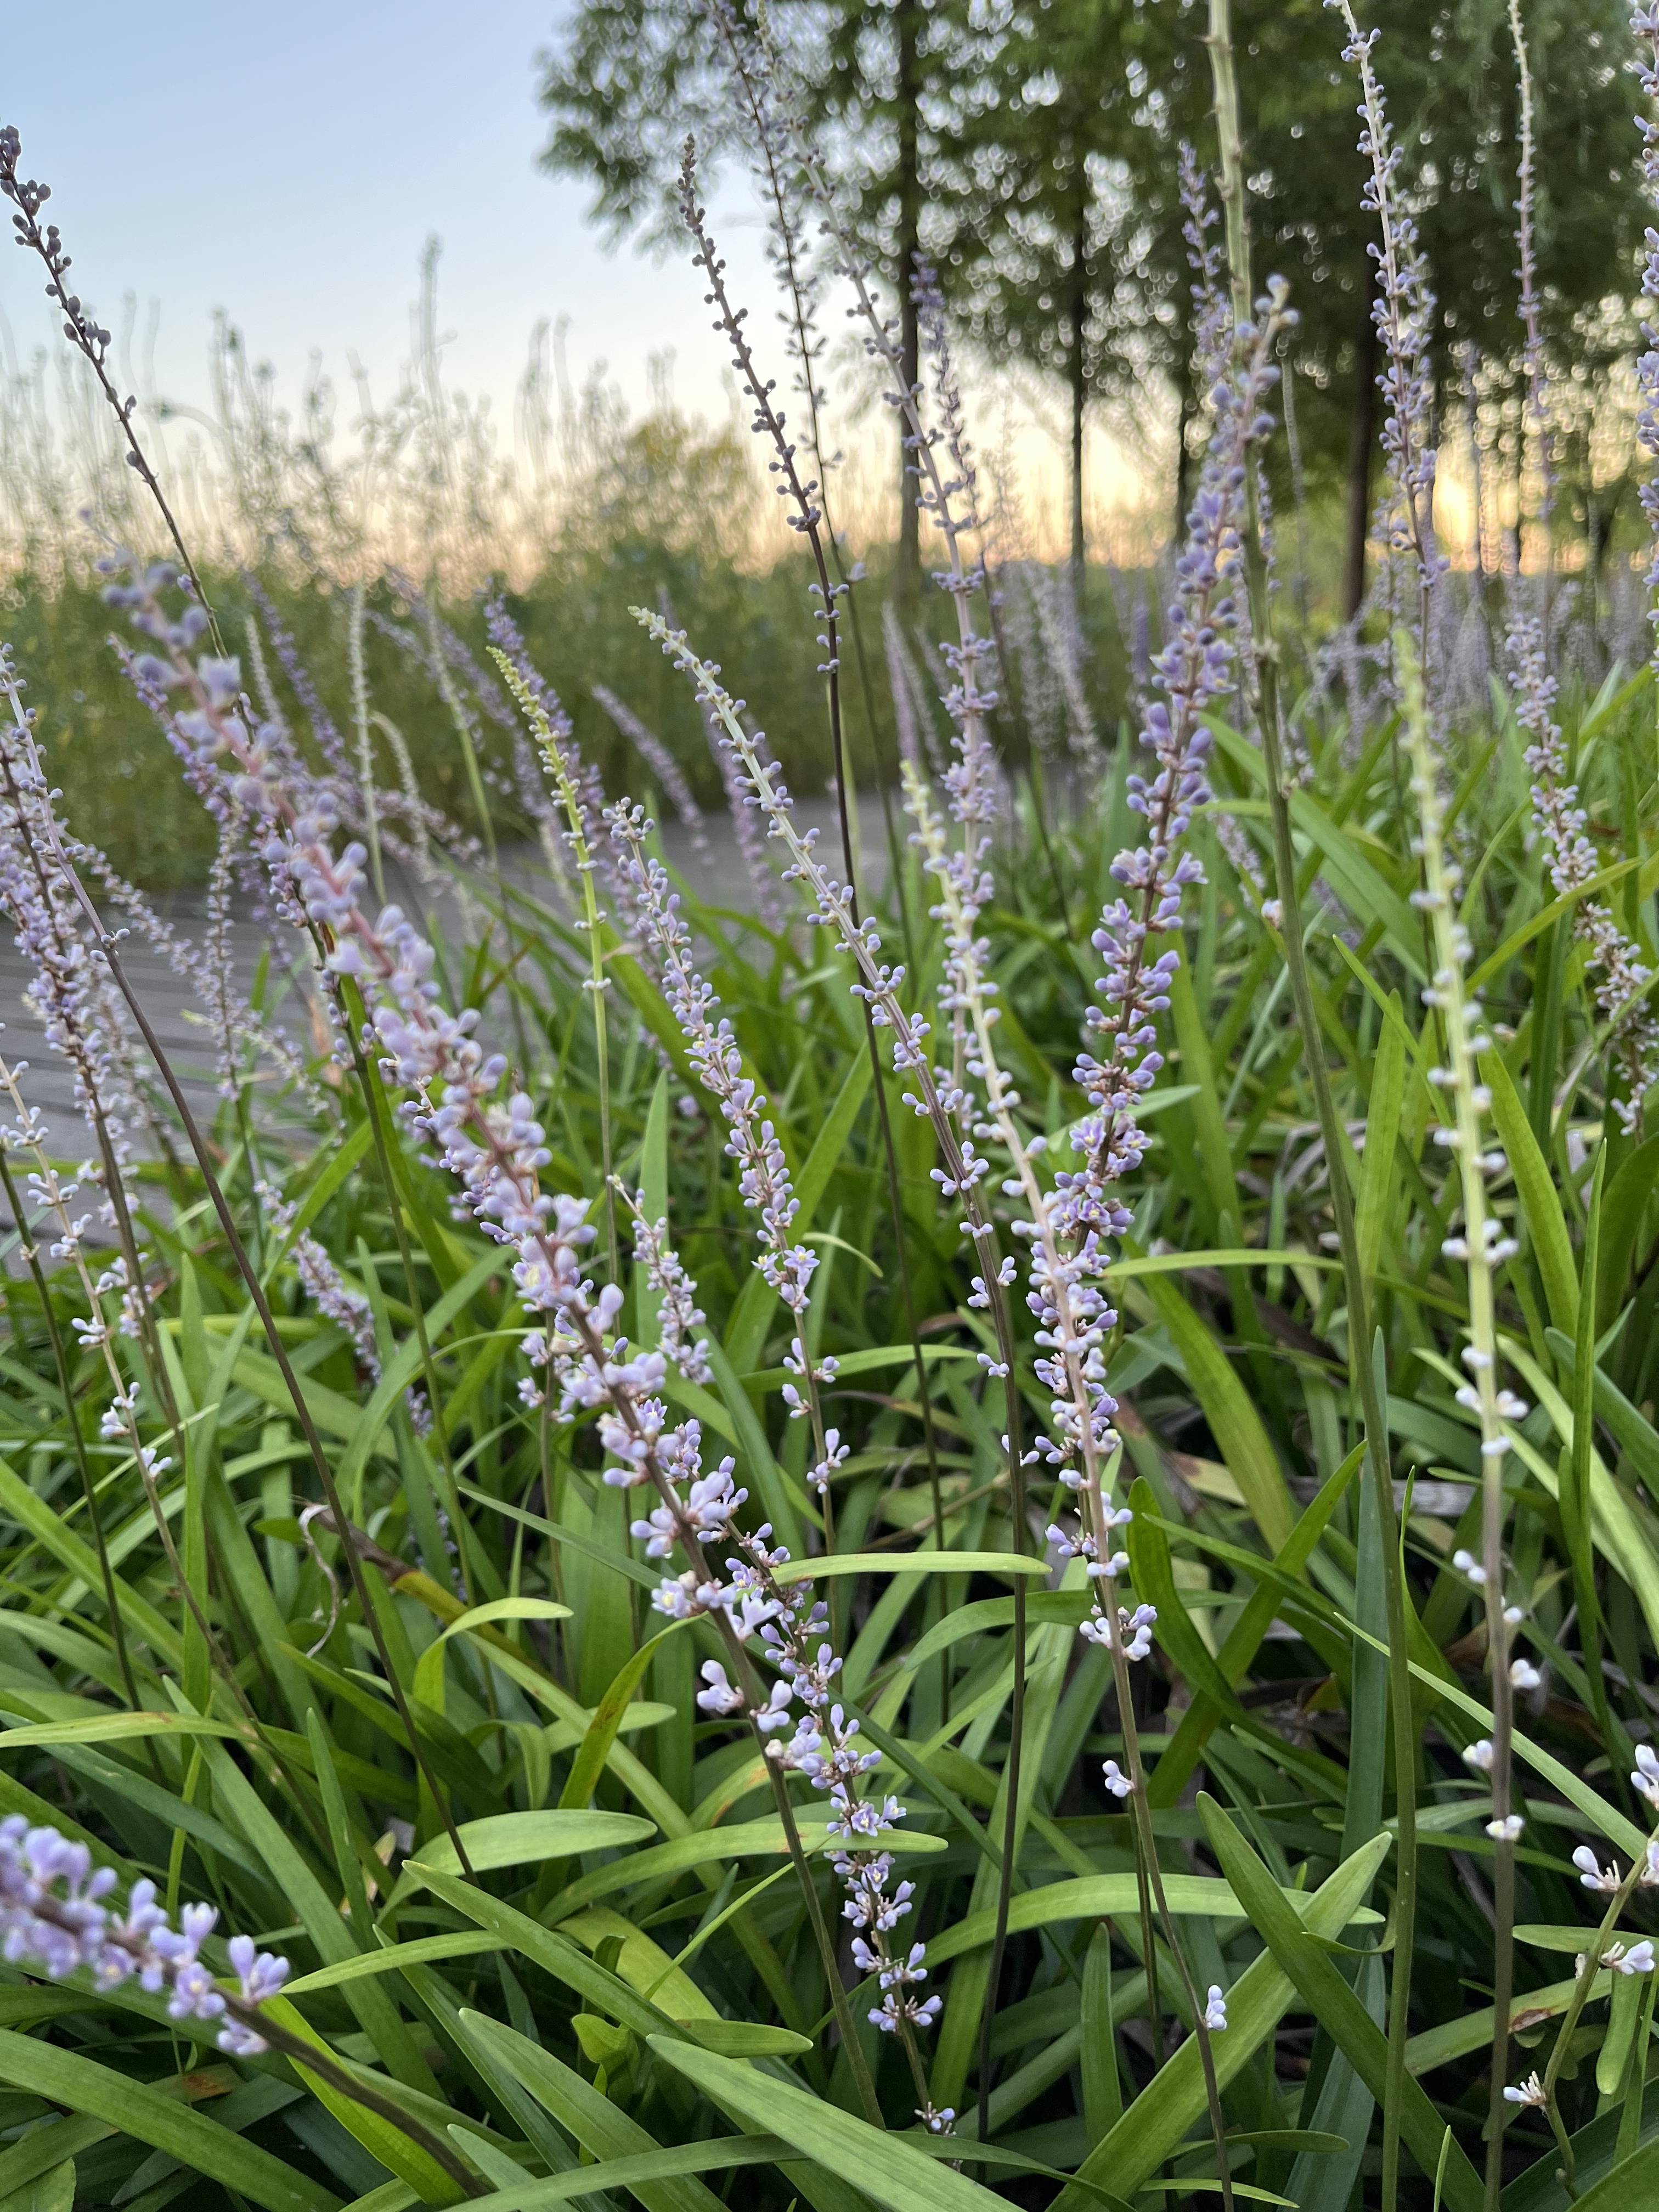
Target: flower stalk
{"type": "Point", "coordinates": [1481, 1247]}
{"type": "Point", "coordinates": [1263, 674]}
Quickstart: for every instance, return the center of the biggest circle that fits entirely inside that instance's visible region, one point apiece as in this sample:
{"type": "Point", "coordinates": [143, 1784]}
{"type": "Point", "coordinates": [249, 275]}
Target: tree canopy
{"type": "Point", "coordinates": [1029, 149]}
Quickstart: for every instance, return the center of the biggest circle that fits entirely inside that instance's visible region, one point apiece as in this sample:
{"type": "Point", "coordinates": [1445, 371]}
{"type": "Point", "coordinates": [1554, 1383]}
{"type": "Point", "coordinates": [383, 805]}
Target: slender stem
{"type": "Point", "coordinates": [1537, 406]}
{"type": "Point", "coordinates": [77, 1049]}
{"type": "Point", "coordinates": [862, 2079]}
{"type": "Point", "coordinates": [121, 1398]}
{"type": "Point", "coordinates": [445, 681]}
{"type": "Point", "coordinates": [1005, 672]}
{"type": "Point", "coordinates": [1595, 1957]}
{"type": "Point", "coordinates": [353, 1023]}
{"type": "Point", "coordinates": [597, 983]}
{"type": "Point", "coordinates": [1265, 666]}
{"type": "Point", "coordinates": [860, 654]}
{"type": "Point", "coordinates": [153, 1364]}
{"type": "Point", "coordinates": [93, 342]}
{"type": "Point", "coordinates": [376, 1105]}
{"type": "Point", "coordinates": [346, 2081]}
{"type": "Point", "coordinates": [1011, 1775]}
{"type": "Point", "coordinates": [360, 715]}
{"type": "Point", "coordinates": [1153, 1874]}
{"type": "Point", "coordinates": [808, 499]}
{"type": "Point", "coordinates": [1481, 1248]}
{"type": "Point", "coordinates": [907, 1294]}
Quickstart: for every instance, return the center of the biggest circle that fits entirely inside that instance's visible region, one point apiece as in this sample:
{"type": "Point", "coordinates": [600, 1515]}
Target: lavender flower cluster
{"type": "Point", "coordinates": [334, 1297]}
{"type": "Point", "coordinates": [326, 1286]}
{"type": "Point", "coordinates": [1404, 312]}
{"type": "Point", "coordinates": [678, 1315]}
{"type": "Point", "coordinates": [1644, 25]}
{"type": "Point", "coordinates": [1069, 1223]}
{"type": "Point", "coordinates": [70, 989]}
{"type": "Point", "coordinates": [492, 1148]}
{"type": "Point", "coordinates": [662, 764]}
{"type": "Point", "coordinates": [1195, 668]}
{"type": "Point", "coordinates": [576, 848]}
{"type": "Point", "coordinates": [830, 906]}
{"type": "Point", "coordinates": [764, 1179]}
{"type": "Point", "coordinates": [506, 638]}
{"type": "Point", "coordinates": [1622, 976]}
{"type": "Point", "coordinates": [824, 1746]}
{"type": "Point", "coordinates": [741, 809]}
{"type": "Point", "coordinates": [1212, 320]}
{"type": "Point", "coordinates": [697, 1507]}
{"type": "Point", "coordinates": [56, 1918]}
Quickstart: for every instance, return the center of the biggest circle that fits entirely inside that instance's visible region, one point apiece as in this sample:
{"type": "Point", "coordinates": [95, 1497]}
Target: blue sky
{"type": "Point", "coordinates": [287, 162]}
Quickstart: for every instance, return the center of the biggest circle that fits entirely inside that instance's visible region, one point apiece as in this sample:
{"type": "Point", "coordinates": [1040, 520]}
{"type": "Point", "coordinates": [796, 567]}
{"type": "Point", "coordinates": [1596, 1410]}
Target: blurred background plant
{"type": "Point", "coordinates": [1032, 155]}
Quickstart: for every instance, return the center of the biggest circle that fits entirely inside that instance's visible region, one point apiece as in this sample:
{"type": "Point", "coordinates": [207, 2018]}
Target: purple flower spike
{"type": "Point", "coordinates": [54, 1921]}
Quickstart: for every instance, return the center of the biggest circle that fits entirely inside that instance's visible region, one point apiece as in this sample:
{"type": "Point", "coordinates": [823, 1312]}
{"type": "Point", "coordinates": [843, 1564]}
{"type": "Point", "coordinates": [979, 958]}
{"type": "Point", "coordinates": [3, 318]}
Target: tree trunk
{"type": "Point", "coordinates": [1077, 367]}
{"type": "Point", "coordinates": [909, 575]}
{"type": "Point", "coordinates": [1362, 438]}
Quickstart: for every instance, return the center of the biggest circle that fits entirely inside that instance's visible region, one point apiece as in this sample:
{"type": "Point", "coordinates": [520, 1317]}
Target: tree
{"type": "Point", "coordinates": [631, 79]}
{"type": "Point", "coordinates": [1072, 247]}
{"type": "Point", "coordinates": [1450, 72]}
{"type": "Point", "coordinates": [883, 84]}
{"type": "Point", "coordinates": [1028, 147]}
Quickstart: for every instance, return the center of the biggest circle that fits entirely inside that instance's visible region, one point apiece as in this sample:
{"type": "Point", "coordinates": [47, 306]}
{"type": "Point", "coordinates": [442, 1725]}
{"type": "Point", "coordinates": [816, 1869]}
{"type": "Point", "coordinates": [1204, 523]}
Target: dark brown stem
{"type": "Point", "coordinates": [807, 500]}
{"type": "Point", "coordinates": [346, 2082]}
{"type": "Point", "coordinates": [85, 335]}
{"type": "Point", "coordinates": [907, 15]}
{"type": "Point", "coordinates": [1077, 315]}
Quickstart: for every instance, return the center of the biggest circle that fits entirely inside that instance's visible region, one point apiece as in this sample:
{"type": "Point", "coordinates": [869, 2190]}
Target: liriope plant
{"type": "Point", "coordinates": [661, 1709]}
